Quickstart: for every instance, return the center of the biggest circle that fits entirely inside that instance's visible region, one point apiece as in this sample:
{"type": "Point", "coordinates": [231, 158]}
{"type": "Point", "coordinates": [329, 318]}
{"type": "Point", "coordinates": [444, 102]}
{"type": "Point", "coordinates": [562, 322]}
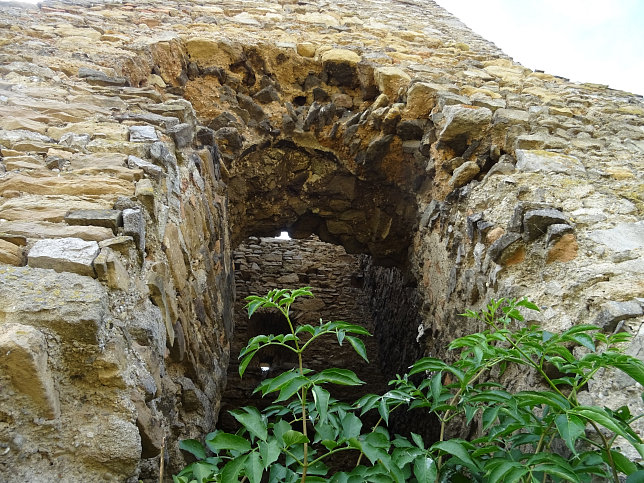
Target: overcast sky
{"type": "Point", "coordinates": [599, 41]}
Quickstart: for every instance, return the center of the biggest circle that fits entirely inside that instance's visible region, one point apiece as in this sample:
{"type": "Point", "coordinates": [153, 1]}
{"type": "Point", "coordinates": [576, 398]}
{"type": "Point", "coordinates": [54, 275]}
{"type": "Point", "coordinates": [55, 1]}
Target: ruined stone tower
{"type": "Point", "coordinates": [146, 147]}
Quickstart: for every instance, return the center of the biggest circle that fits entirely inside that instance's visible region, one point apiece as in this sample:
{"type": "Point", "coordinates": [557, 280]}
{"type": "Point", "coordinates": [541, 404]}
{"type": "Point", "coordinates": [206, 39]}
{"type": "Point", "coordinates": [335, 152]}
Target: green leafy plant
{"type": "Point", "coordinates": [516, 433]}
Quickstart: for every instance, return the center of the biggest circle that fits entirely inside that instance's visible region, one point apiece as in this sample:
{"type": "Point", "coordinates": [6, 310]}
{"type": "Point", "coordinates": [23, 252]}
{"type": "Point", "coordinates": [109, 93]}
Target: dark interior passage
{"type": "Point", "coordinates": [346, 287]}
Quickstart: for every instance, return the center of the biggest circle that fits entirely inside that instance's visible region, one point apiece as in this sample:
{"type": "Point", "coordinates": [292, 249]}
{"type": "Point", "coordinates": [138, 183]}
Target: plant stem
{"type": "Point", "coordinates": [607, 446]}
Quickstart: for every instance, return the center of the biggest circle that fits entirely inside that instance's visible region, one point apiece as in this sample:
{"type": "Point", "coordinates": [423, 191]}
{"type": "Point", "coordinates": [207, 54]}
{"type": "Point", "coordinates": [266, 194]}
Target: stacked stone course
{"type": "Point", "coordinates": [140, 143]}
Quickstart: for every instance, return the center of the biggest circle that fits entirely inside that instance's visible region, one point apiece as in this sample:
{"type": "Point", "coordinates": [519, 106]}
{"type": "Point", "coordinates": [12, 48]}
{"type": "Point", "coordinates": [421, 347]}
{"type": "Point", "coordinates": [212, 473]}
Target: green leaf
{"type": "Point", "coordinates": [458, 449]}
{"type": "Point", "coordinates": [490, 414]}
{"type": "Point", "coordinates": [599, 415]}
{"type": "Point", "coordinates": [254, 468]}
{"type": "Point", "coordinates": [358, 346]}
{"type": "Point", "coordinates": [636, 477]}
{"type": "Point", "coordinates": [280, 429]}
{"type": "Point", "coordinates": [344, 377]}
{"type": "Point", "coordinates": [500, 469]}
{"type": "Point", "coordinates": [583, 339]}
{"type": "Point", "coordinates": [537, 398]}
{"type": "Point", "coordinates": [203, 471]}
{"type": "Point", "coordinates": [292, 387]}
{"type": "Point", "coordinates": [351, 426]}
{"type": "Point", "coordinates": [425, 469]}
{"type": "Point", "coordinates": [418, 440]}
{"type": "Point", "coordinates": [570, 428]}
{"type": "Point", "coordinates": [231, 471]}
{"type": "Point", "coordinates": [321, 398]}
{"type": "Point", "coordinates": [528, 305]}
{"type": "Point", "coordinates": [245, 361]}
{"type": "Point", "coordinates": [226, 441]}
{"type": "Point", "coordinates": [292, 437]}
{"type": "Point", "coordinates": [436, 385]}
{"type": "Point", "coordinates": [252, 421]}
{"type": "Point", "coordinates": [622, 463]}
{"type": "Point", "coordinates": [269, 452]}
{"type": "Point", "coordinates": [627, 364]}
{"type": "Point", "coordinates": [341, 334]}
{"type": "Point", "coordinates": [194, 447]}
{"type": "Point", "coordinates": [567, 474]}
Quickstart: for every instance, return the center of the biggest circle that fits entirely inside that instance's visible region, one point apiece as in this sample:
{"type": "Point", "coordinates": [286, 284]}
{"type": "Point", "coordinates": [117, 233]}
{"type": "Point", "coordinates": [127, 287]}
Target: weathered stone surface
{"type": "Point", "coordinates": [134, 226]}
{"type": "Point", "coordinates": [463, 120]}
{"type": "Point", "coordinates": [107, 218]}
{"type": "Point", "coordinates": [547, 162]}
{"type": "Point", "coordinates": [110, 269]}
{"type": "Point", "coordinates": [141, 134]}
{"type": "Point", "coordinates": [612, 313]}
{"type": "Point", "coordinates": [149, 168]}
{"type": "Point", "coordinates": [564, 249]}
{"type": "Point", "coordinates": [248, 78]}
{"type": "Point", "coordinates": [390, 80]}
{"type": "Point", "coordinates": [64, 255]}
{"type": "Point", "coordinates": [536, 222]}
{"type": "Point", "coordinates": [625, 236]}
{"type": "Point", "coordinates": [175, 256]}
{"type": "Point", "coordinates": [53, 230]}
{"type": "Point", "coordinates": [23, 359]}
{"type": "Point", "coordinates": [9, 253]}
{"type": "Point", "coordinates": [72, 305]}
{"type": "Point", "coordinates": [464, 174]}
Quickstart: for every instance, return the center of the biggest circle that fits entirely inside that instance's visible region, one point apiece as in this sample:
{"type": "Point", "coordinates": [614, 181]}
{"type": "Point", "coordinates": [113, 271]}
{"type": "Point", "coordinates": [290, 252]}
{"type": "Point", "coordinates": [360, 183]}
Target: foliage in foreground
{"type": "Point", "coordinates": [517, 432]}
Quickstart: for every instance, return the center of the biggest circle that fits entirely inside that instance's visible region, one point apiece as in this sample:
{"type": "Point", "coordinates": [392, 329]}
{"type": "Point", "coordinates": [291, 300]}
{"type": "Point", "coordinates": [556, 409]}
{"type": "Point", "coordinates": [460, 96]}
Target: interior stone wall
{"type": "Point", "coordinates": [140, 142]}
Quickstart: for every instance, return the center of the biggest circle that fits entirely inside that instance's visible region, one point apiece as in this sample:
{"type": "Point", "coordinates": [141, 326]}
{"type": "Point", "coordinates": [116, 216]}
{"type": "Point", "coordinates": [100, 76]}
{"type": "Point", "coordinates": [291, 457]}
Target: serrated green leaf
{"type": "Point", "coordinates": [457, 448]}
{"type": "Point", "coordinates": [244, 363]}
{"type": "Point", "coordinates": [570, 428]}
{"type": "Point", "coordinates": [203, 471]}
{"type": "Point", "coordinates": [558, 470]}
{"type": "Point", "coordinates": [321, 398]}
{"type": "Point", "coordinates": [351, 426]}
{"type": "Point", "coordinates": [252, 420]}
{"type": "Point", "coordinates": [425, 469]}
{"type": "Point", "coordinates": [225, 441]}
{"type": "Point", "coordinates": [269, 452]}
{"type": "Point", "coordinates": [622, 463]}
{"type": "Point", "coordinates": [193, 447]}
{"type": "Point", "coordinates": [490, 414]}
{"type": "Point", "coordinates": [636, 477]}
{"type": "Point", "coordinates": [233, 468]}
{"type": "Point", "coordinates": [292, 437]}
{"type": "Point", "coordinates": [599, 415]}
{"type": "Point", "coordinates": [528, 305]}
{"type": "Point", "coordinates": [290, 388]}
{"type": "Point", "coordinates": [418, 440]}
{"type": "Point", "coordinates": [343, 377]}
{"type": "Point", "coordinates": [358, 346]}
{"type": "Point", "coordinates": [254, 468]}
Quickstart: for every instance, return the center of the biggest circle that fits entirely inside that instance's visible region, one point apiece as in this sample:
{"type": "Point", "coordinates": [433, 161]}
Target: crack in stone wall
{"type": "Point", "coordinates": [137, 141]}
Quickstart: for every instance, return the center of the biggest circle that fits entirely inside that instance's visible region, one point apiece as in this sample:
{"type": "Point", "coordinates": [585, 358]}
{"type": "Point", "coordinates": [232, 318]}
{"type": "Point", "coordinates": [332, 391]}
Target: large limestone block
{"type": "Point", "coordinates": [9, 253]}
{"type": "Point", "coordinates": [390, 80]}
{"type": "Point", "coordinates": [538, 161]}
{"type": "Point", "coordinates": [73, 306]}
{"type": "Point", "coordinates": [208, 52]}
{"type": "Point", "coordinates": [421, 99]}
{"type": "Point", "coordinates": [64, 255]}
{"type": "Point", "coordinates": [44, 229]}
{"type": "Point", "coordinates": [174, 253]}
{"type": "Point", "coordinates": [465, 120]}
{"type": "Point", "coordinates": [23, 358]}
{"type": "Point", "coordinates": [625, 236]}
{"type": "Point", "coordinates": [90, 185]}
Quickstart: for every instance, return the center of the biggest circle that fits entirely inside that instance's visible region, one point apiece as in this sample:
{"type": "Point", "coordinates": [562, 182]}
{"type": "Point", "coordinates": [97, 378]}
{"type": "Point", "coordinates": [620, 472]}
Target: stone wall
{"type": "Point", "coordinates": [140, 142]}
